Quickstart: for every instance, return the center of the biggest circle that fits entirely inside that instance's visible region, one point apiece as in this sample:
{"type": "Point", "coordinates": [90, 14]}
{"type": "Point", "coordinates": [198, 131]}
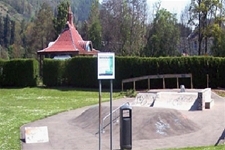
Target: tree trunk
{"type": "Point", "coordinates": [206, 45]}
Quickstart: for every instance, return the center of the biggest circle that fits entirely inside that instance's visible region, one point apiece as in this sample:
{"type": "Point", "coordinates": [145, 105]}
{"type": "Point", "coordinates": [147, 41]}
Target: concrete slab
{"type": "Point", "coordinates": [174, 99]}
{"type": "Point", "coordinates": [145, 99]}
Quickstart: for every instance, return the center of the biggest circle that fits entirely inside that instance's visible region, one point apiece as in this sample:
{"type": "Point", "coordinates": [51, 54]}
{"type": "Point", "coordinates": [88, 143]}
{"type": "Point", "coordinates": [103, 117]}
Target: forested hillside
{"type": "Point", "coordinates": [27, 9]}
{"type": "Point", "coordinates": [19, 22]}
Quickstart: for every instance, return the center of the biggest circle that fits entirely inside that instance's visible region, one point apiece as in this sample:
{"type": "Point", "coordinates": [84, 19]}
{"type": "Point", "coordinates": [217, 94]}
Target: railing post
{"type": "Point", "coordinates": [122, 86]}
{"type": "Point", "coordinates": [148, 83]}
{"type": "Point", "coordinates": [165, 76]}
{"type": "Point", "coordinates": [207, 77]}
{"type": "Point", "coordinates": [163, 83]}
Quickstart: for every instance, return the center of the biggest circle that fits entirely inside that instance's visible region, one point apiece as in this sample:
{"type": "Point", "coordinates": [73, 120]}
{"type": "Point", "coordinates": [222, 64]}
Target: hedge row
{"type": "Point", "coordinates": [82, 71]}
{"type": "Point", "coordinates": [19, 73]}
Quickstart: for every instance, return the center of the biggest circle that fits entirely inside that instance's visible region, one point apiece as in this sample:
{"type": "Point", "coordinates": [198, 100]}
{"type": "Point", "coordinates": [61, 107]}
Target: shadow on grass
{"type": "Point", "coordinates": [68, 88]}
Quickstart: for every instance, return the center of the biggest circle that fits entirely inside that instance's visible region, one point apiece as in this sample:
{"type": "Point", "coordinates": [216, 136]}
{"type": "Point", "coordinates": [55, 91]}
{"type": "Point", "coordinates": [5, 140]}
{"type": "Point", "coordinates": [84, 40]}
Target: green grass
{"type": "Point", "coordinates": [21, 106]}
{"type": "Point", "coordinates": [220, 92]}
{"type": "Point", "coordinates": [218, 147]}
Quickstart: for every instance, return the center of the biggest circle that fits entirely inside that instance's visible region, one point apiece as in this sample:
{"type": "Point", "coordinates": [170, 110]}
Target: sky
{"type": "Point", "coordinates": [174, 6]}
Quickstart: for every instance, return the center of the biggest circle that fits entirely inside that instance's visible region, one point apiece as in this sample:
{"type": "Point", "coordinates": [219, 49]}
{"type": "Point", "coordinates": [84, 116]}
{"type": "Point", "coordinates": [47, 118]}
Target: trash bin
{"type": "Point", "coordinates": [126, 127]}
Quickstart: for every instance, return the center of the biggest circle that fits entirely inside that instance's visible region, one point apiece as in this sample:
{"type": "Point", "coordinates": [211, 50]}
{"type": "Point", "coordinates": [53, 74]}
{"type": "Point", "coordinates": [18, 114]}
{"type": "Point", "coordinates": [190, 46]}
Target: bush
{"type": "Point", "coordinates": [53, 72]}
{"type": "Point", "coordinates": [82, 71]}
{"type": "Point", "coordinates": [19, 73]}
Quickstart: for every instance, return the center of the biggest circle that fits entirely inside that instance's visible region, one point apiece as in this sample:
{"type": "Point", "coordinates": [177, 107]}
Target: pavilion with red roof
{"type": "Point", "coordinates": [69, 42]}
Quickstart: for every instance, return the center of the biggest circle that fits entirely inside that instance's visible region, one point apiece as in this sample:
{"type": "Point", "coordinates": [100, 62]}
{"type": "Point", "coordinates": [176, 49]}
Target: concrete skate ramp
{"type": "Point", "coordinates": [89, 120]}
{"type": "Point", "coordinates": [145, 99]}
{"type": "Point", "coordinates": [176, 100]}
{"type": "Point", "coordinates": [173, 100]}
{"type": "Point", "coordinates": [147, 123]}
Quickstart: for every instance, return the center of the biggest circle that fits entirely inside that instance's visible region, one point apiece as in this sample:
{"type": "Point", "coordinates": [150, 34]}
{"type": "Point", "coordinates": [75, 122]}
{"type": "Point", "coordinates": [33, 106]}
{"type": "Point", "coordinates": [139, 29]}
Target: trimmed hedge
{"type": "Point", "coordinates": [19, 73]}
{"type": "Point", "coordinates": [82, 71]}
{"type": "Point", "coordinates": [1, 71]}
{"type": "Point", "coordinates": [53, 71]}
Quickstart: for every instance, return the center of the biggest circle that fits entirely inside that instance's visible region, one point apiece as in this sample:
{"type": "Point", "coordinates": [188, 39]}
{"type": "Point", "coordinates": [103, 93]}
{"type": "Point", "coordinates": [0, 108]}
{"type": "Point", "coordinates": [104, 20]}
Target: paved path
{"type": "Point", "coordinates": [65, 135]}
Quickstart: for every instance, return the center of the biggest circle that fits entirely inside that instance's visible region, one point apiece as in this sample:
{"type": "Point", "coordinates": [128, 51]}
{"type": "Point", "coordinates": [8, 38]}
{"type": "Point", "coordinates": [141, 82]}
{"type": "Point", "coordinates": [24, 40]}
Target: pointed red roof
{"type": "Point", "coordinates": [70, 41]}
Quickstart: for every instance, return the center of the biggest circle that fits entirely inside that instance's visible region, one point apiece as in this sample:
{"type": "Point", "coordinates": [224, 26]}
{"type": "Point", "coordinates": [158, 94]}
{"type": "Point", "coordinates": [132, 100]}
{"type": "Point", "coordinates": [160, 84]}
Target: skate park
{"type": "Point", "coordinates": [153, 127]}
{"type": "Point", "coordinates": [161, 119]}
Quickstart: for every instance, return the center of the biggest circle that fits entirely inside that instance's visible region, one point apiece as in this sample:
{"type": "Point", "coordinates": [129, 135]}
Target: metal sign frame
{"type": "Point", "coordinates": [106, 65]}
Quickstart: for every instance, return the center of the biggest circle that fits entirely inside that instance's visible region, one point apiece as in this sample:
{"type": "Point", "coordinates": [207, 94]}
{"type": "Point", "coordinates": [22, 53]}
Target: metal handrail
{"type": "Point", "coordinates": [114, 111]}
{"type": "Point", "coordinates": [162, 76]}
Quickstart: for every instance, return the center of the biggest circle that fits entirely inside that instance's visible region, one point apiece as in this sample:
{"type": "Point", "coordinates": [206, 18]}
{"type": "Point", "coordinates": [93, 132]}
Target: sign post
{"type": "Point", "coordinates": [106, 70]}
{"type": "Point", "coordinates": [100, 116]}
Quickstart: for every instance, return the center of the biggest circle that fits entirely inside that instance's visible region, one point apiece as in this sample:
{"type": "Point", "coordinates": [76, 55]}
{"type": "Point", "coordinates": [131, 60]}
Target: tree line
{"type": "Point", "coordinates": [126, 27]}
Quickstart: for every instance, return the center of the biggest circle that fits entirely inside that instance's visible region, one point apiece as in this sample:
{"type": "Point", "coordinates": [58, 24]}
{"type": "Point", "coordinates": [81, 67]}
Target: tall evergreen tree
{"type": "Point", "coordinates": [61, 18]}
{"type": "Point", "coordinates": [95, 29]}
{"type": "Point", "coordinates": [12, 36]}
{"type": "Point", "coordinates": [7, 31]}
{"type": "Point", "coordinates": [1, 31]}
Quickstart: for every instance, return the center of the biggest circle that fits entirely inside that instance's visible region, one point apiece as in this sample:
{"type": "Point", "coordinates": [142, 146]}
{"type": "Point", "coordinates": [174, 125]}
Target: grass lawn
{"type": "Point", "coordinates": [24, 105]}
{"type": "Point", "coordinates": [218, 147]}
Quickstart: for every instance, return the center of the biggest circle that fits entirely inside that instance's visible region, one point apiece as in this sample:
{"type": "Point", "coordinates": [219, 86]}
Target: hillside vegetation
{"type": "Point", "coordinates": [27, 9]}
{"type": "Point", "coordinates": [127, 28]}
{"type": "Point", "coordinates": [20, 20]}
{"type": "Point", "coordinates": [12, 12]}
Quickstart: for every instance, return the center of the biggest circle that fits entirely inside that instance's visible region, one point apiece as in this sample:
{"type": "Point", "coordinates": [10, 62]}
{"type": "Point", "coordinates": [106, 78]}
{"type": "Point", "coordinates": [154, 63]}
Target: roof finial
{"type": "Point", "coordinates": [70, 16]}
